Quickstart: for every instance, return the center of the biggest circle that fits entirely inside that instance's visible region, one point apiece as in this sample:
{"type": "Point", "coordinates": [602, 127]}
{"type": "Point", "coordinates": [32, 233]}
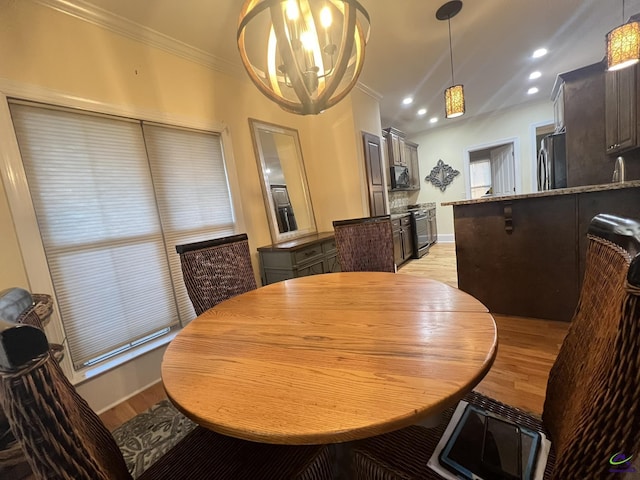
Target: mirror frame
{"type": "Point", "coordinates": [257, 126]}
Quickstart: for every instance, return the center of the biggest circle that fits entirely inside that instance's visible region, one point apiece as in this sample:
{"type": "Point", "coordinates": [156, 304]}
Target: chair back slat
{"type": "Point", "coordinates": [365, 244]}
{"type": "Point", "coordinates": [216, 270]}
{"type": "Point", "coordinates": [61, 436]}
{"type": "Point", "coordinates": [592, 405]}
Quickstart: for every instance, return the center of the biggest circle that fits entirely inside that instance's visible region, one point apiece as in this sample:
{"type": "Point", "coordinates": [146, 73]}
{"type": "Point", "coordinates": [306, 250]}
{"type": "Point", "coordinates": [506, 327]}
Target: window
{"type": "Point", "coordinates": [112, 197]}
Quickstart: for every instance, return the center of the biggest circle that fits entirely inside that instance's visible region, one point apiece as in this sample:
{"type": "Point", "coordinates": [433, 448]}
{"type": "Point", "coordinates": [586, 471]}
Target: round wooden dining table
{"type": "Point", "coordinates": [329, 358]}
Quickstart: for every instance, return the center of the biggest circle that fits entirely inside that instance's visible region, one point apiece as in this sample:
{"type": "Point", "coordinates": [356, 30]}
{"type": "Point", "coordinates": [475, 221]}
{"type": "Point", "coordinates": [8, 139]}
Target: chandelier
{"type": "Point", "coordinates": [305, 55]}
{"type": "Point", "coordinates": [623, 45]}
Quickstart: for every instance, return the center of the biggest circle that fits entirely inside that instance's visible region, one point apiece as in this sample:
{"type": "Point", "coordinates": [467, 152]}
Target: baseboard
{"type": "Point", "coordinates": [124, 399]}
{"type": "Point", "coordinates": [446, 238]}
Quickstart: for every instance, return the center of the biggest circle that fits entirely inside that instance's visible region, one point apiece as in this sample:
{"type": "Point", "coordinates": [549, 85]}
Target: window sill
{"type": "Point", "coordinates": [88, 373]}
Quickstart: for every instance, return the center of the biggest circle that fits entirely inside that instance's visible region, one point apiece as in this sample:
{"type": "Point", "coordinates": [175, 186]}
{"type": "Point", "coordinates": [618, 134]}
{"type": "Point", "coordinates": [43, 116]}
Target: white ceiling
{"type": "Point", "coordinates": [408, 50]}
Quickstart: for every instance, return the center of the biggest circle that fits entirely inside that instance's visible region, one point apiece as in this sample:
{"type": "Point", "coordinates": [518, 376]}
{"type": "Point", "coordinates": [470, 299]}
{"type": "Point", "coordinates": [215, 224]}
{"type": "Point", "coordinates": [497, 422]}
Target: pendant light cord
{"type": "Point", "coordinates": [453, 82]}
{"type": "Point", "coordinates": [622, 11]}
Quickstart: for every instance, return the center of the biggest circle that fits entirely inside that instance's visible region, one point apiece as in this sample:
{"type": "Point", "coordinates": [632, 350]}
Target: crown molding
{"type": "Point", "coordinates": [369, 91]}
{"type": "Point", "coordinates": [84, 10]}
{"type": "Point", "coordinates": [90, 13]}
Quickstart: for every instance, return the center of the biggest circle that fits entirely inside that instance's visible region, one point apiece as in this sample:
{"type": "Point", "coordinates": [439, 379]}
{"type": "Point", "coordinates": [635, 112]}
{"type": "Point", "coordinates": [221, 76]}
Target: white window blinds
{"type": "Point", "coordinates": [101, 220]}
{"type": "Point", "coordinates": [192, 192]}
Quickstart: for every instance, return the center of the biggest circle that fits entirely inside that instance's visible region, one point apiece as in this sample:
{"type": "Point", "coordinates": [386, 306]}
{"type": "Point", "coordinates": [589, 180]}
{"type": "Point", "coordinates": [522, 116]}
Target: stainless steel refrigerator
{"type": "Point", "coordinates": [552, 162]}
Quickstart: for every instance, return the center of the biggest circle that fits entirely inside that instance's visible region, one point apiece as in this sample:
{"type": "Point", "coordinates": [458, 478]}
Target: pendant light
{"type": "Point", "coordinates": [454, 95]}
{"type": "Point", "coordinates": [305, 55]}
{"type": "Point", "coordinates": [623, 45]}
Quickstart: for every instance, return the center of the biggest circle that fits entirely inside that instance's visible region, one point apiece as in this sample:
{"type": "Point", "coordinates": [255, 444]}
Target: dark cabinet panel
{"type": "Point", "coordinates": [375, 177]}
{"type": "Point", "coordinates": [403, 244]}
{"type": "Point", "coordinates": [526, 257]}
{"type": "Point", "coordinates": [621, 110]}
{"type": "Point", "coordinates": [403, 152]}
{"type": "Point", "coordinates": [395, 146]}
{"type": "Point", "coordinates": [411, 154]}
{"type": "Point", "coordinates": [583, 97]}
{"type": "Point", "coordinates": [520, 258]}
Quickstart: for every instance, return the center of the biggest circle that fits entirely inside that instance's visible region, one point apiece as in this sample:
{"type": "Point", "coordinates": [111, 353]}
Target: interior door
{"type": "Point", "coordinates": [503, 170]}
{"type": "Point", "coordinates": [375, 174]}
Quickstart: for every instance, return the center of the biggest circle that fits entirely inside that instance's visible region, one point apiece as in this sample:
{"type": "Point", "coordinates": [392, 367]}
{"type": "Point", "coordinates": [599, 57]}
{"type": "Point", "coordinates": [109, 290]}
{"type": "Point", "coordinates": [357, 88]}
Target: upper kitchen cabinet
{"type": "Point", "coordinates": [579, 104]}
{"type": "Point", "coordinates": [402, 153]}
{"type": "Point", "coordinates": [395, 146]}
{"type": "Point", "coordinates": [621, 110]}
{"type": "Point", "coordinates": [411, 156]}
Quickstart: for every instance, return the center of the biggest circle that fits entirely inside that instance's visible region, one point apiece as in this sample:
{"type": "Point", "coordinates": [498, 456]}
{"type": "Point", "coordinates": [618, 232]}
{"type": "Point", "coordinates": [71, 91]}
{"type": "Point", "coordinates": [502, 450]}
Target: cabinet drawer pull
{"type": "Point", "coordinates": [310, 253]}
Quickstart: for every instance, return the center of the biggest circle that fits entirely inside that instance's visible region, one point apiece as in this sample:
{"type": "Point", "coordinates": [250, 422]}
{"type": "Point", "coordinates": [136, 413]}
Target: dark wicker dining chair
{"type": "Point", "coordinates": [592, 404]}
{"type": "Point", "coordinates": [63, 438]}
{"type": "Point", "coordinates": [365, 244]}
{"type": "Point", "coordinates": [215, 270]}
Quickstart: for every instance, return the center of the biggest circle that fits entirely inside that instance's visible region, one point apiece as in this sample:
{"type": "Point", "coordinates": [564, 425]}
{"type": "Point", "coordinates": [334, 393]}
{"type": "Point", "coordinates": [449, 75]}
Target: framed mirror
{"type": "Point", "coordinates": [284, 181]}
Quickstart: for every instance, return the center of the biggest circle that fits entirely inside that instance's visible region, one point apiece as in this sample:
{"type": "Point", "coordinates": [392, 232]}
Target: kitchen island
{"type": "Point", "coordinates": [524, 255]}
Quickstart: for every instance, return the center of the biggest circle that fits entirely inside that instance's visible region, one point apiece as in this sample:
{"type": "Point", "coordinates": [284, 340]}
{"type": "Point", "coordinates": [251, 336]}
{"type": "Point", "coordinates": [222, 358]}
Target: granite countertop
{"type": "Point", "coordinates": [549, 193]}
{"type": "Point", "coordinates": [402, 211]}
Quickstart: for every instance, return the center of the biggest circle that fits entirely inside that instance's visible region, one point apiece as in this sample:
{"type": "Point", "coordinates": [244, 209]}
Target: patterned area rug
{"type": "Point", "coordinates": [151, 434]}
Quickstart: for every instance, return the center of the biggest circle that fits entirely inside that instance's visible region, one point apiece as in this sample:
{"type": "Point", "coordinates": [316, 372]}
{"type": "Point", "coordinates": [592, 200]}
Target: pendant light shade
{"type": "Point", "coordinates": [453, 96]}
{"type": "Point", "coordinates": [454, 101]}
{"type": "Point", "coordinates": [305, 55]}
{"type": "Point", "coordinates": [623, 46]}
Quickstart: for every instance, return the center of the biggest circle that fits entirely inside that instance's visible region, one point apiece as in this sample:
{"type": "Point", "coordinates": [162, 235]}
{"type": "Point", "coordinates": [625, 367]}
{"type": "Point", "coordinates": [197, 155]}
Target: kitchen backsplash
{"type": "Point", "coordinates": [398, 201]}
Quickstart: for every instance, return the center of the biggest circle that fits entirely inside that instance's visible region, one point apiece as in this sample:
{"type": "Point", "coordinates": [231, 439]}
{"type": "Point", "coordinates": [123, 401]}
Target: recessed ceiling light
{"type": "Point", "coordinates": [422, 111]}
{"type": "Point", "coordinates": [535, 75]}
{"type": "Point", "coordinates": [433, 120]}
{"type": "Point", "coordinates": [532, 90]}
{"type": "Point", "coordinates": [541, 52]}
{"type": "Point", "coordinates": [407, 101]}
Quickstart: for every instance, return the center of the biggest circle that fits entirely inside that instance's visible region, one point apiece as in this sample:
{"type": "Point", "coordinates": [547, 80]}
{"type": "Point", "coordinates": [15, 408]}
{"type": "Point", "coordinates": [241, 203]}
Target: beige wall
{"type": "Point", "coordinates": [45, 49]}
{"type": "Point", "coordinates": [450, 142]}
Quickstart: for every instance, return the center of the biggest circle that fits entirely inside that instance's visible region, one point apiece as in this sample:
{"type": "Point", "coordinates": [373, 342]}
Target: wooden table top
{"type": "Point", "coordinates": [329, 358]}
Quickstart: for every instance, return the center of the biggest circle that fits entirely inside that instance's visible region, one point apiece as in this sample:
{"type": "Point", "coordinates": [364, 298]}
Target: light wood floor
{"type": "Point", "coordinates": [527, 348]}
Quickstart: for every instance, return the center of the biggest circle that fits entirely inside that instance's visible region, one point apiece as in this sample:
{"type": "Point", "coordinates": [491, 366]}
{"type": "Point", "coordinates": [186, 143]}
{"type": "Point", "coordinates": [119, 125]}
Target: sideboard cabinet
{"type": "Point", "coordinates": [309, 255]}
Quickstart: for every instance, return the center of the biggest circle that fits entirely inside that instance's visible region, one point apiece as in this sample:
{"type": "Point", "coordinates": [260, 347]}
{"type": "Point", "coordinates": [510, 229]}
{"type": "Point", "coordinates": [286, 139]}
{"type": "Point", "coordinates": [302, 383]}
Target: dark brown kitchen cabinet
{"type": "Point", "coordinates": [401, 152]}
{"type": "Point", "coordinates": [411, 156]}
{"type": "Point", "coordinates": [621, 110]}
{"type": "Point", "coordinates": [580, 105]}
{"type": "Point", "coordinates": [395, 146]}
{"type": "Point", "coordinates": [402, 239]}
{"type": "Point", "coordinates": [525, 255]}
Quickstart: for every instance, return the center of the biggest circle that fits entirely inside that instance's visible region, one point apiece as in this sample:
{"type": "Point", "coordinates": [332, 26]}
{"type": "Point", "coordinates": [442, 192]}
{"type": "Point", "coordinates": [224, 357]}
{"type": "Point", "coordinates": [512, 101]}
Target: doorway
{"type": "Point", "coordinates": [493, 169]}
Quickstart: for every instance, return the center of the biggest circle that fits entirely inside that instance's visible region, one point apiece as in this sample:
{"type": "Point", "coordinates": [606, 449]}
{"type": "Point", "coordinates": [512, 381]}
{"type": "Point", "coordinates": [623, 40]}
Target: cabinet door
{"type": "Point", "coordinates": [375, 175]}
{"type": "Point", "coordinates": [331, 265]}
{"type": "Point", "coordinates": [395, 148]}
{"type": "Point", "coordinates": [620, 110]}
{"type": "Point", "coordinates": [411, 156]}
{"type": "Point", "coordinates": [407, 243]}
{"type": "Point", "coordinates": [313, 269]}
{"type": "Point", "coordinates": [397, 247]}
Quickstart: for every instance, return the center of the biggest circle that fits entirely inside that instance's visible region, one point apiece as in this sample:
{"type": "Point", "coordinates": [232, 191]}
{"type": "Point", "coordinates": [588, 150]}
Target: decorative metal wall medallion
{"type": "Point", "coordinates": [441, 175]}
